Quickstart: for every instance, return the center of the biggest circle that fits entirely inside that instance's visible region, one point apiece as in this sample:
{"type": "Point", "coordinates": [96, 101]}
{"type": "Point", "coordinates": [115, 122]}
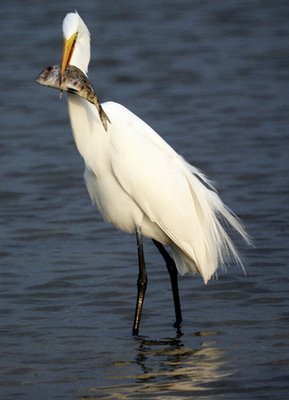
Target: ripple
{"type": "Point", "coordinates": [212, 80]}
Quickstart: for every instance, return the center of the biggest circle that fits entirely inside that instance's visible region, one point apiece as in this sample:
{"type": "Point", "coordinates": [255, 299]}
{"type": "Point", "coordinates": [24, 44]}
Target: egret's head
{"type": "Point", "coordinates": [76, 48]}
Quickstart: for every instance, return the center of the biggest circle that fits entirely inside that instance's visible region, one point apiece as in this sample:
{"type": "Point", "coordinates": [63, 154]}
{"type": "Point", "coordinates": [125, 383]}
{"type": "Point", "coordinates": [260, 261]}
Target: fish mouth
{"type": "Point", "coordinates": [68, 47]}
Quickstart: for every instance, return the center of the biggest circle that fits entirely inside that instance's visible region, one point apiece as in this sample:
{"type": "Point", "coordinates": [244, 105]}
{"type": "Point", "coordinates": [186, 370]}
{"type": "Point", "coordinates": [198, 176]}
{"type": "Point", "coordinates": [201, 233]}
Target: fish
{"type": "Point", "coordinates": [72, 81]}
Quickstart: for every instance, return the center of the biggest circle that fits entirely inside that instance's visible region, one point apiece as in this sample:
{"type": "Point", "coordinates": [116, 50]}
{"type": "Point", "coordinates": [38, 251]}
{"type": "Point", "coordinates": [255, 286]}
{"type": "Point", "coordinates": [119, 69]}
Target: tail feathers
{"type": "Point", "coordinates": [213, 247]}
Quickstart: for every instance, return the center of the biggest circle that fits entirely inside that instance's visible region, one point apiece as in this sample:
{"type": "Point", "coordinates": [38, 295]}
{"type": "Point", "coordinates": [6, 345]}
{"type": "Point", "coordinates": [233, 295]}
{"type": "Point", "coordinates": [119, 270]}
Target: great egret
{"type": "Point", "coordinates": [140, 184]}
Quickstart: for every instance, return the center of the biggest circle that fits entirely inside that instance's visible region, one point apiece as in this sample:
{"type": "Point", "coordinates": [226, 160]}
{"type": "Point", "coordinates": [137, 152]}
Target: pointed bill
{"type": "Point", "coordinates": [68, 47]}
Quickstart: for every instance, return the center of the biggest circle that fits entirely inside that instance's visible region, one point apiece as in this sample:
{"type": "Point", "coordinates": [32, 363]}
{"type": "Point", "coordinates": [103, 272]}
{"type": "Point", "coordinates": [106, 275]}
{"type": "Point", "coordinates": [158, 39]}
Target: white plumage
{"type": "Point", "coordinates": [137, 180]}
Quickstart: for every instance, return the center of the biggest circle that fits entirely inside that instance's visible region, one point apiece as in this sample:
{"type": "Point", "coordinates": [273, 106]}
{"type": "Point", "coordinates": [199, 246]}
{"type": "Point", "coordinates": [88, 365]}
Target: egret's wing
{"type": "Point", "coordinates": [172, 193]}
{"type": "Point", "coordinates": [156, 177]}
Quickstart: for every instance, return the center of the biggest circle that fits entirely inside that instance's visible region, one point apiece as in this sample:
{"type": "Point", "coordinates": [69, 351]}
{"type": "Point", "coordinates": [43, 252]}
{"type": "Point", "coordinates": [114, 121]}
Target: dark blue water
{"type": "Point", "coordinates": [212, 78]}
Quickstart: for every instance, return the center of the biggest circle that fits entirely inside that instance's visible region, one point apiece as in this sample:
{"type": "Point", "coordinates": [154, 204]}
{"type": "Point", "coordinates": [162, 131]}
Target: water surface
{"type": "Point", "coordinates": [212, 79]}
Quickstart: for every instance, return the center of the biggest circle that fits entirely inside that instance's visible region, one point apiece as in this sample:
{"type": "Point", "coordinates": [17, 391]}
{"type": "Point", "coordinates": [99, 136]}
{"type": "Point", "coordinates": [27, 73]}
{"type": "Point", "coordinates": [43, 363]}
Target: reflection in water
{"type": "Point", "coordinates": [169, 369]}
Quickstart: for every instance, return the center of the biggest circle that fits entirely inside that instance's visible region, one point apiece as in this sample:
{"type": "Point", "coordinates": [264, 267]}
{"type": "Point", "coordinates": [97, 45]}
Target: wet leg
{"type": "Point", "coordinates": [141, 282]}
{"type": "Point", "coordinates": [172, 270]}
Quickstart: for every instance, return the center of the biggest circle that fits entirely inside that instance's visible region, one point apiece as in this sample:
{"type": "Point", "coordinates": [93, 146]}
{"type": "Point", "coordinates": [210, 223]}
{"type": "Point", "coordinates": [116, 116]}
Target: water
{"type": "Point", "coordinates": [212, 79]}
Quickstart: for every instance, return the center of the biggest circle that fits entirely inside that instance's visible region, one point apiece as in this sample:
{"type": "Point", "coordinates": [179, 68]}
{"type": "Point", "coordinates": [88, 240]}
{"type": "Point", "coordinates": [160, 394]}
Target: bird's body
{"type": "Point", "coordinates": [136, 179]}
{"type": "Point", "coordinates": [140, 184]}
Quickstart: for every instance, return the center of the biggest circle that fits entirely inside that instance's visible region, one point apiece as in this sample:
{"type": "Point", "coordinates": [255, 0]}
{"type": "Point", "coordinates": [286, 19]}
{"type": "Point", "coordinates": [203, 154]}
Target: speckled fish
{"type": "Point", "coordinates": [73, 81]}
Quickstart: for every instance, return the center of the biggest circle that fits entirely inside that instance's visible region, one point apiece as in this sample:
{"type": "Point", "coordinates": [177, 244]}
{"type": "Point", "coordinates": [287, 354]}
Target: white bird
{"type": "Point", "coordinates": [140, 184]}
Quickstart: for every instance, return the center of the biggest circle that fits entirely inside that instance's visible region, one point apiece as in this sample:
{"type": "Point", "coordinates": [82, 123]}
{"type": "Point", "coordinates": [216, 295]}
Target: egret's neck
{"type": "Point", "coordinates": [90, 137]}
{"type": "Point", "coordinates": [81, 53]}
{"type": "Point", "coordinates": [81, 57]}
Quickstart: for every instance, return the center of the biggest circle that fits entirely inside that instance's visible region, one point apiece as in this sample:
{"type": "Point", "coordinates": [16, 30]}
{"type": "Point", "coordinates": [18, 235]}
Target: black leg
{"type": "Point", "coordinates": [172, 270]}
{"type": "Point", "coordinates": [141, 282]}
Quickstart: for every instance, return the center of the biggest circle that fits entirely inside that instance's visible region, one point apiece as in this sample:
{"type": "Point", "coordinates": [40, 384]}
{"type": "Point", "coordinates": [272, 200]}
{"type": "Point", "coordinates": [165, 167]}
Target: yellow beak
{"type": "Point", "coordinates": [68, 47]}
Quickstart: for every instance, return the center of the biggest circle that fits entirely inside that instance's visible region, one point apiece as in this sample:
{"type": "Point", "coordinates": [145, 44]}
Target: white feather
{"type": "Point", "coordinates": [136, 179]}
